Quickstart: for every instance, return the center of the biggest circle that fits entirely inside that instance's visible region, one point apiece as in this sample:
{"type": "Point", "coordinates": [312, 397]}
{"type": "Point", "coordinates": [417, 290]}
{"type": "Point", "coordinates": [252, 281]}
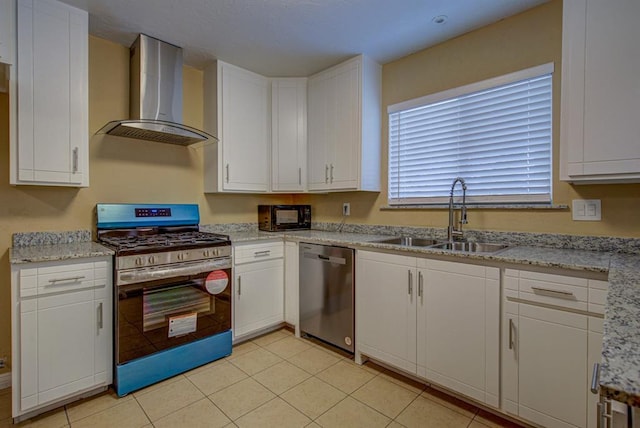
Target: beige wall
{"type": "Point", "coordinates": [121, 170]}
{"type": "Point", "coordinates": [531, 38]}
{"type": "Point", "coordinates": [139, 171]}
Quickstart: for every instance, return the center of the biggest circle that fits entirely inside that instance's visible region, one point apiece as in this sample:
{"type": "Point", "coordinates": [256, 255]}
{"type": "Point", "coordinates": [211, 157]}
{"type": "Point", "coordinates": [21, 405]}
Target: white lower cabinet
{"type": "Point", "coordinates": [459, 327]}
{"type": "Point", "coordinates": [549, 345]}
{"type": "Point", "coordinates": [259, 287]}
{"type": "Point", "coordinates": [62, 331]}
{"type": "Point", "coordinates": [436, 319]}
{"type": "Point", "coordinates": [386, 308]}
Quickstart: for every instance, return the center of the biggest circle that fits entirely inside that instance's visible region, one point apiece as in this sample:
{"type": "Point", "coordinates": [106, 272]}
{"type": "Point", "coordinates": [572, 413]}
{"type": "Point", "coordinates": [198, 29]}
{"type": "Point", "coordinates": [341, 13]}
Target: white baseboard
{"type": "Point", "coordinates": [5, 380]}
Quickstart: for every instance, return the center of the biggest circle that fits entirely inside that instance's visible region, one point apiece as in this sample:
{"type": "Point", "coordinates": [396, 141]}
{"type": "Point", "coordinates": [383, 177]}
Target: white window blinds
{"type": "Point", "coordinates": [496, 134]}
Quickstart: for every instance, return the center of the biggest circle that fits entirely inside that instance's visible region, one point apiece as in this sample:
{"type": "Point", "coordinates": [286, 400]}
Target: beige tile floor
{"type": "Point", "coordinates": [272, 381]}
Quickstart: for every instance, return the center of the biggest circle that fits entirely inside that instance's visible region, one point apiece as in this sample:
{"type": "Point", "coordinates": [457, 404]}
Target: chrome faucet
{"type": "Point", "coordinates": [452, 232]}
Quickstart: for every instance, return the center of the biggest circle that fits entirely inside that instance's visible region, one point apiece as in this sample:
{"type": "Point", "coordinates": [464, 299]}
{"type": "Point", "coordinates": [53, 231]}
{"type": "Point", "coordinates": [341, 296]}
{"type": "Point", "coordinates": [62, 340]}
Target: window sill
{"type": "Point", "coordinates": [543, 207]}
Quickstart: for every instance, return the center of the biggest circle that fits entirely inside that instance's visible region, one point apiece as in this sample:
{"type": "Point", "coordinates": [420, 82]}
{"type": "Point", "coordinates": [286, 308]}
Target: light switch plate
{"type": "Point", "coordinates": [587, 210]}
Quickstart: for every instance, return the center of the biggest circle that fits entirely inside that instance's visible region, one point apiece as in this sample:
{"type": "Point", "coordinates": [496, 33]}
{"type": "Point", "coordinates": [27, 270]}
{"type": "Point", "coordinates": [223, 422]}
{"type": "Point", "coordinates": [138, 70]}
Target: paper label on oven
{"type": "Point", "coordinates": [216, 281]}
{"type": "Point", "coordinates": [182, 324]}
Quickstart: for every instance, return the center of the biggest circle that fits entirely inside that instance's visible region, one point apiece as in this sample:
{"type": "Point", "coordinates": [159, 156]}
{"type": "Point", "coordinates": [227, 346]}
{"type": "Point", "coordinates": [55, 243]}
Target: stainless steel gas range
{"type": "Point", "coordinates": [172, 291]}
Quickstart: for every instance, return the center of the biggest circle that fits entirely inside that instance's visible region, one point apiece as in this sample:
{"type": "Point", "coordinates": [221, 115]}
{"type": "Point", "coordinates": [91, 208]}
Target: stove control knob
{"type": "Point", "coordinates": [139, 261]}
{"type": "Point", "coordinates": [152, 260]}
{"type": "Point", "coordinates": [206, 253]}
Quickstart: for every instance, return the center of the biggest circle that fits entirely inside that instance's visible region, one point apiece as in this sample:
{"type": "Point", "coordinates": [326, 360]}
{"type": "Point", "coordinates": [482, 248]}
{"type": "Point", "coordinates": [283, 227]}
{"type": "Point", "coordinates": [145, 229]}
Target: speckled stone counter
{"type": "Point", "coordinates": [49, 253]}
{"type": "Point", "coordinates": [31, 247]}
{"type": "Point", "coordinates": [620, 366]}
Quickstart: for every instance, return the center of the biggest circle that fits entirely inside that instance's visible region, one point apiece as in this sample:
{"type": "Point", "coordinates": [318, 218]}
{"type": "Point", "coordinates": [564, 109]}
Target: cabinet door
{"type": "Point", "coordinates": [594, 356]}
{"type": "Point", "coordinates": [259, 296]}
{"type": "Point", "coordinates": [601, 62]}
{"type": "Point", "coordinates": [459, 325]}
{"type": "Point", "coordinates": [552, 353]}
{"type": "Point", "coordinates": [386, 308]}
{"type": "Point", "coordinates": [56, 347]}
{"type": "Point", "coordinates": [320, 130]}
{"type": "Point", "coordinates": [289, 134]}
{"type": "Point", "coordinates": [103, 331]}
{"type": "Point", "coordinates": [244, 131]}
{"type": "Point", "coordinates": [53, 134]}
{"type": "Point", "coordinates": [345, 142]}
{"type": "Point", "coordinates": [7, 36]}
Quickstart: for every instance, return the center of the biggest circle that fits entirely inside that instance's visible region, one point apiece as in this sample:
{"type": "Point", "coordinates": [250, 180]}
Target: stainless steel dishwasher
{"type": "Point", "coordinates": [327, 294]}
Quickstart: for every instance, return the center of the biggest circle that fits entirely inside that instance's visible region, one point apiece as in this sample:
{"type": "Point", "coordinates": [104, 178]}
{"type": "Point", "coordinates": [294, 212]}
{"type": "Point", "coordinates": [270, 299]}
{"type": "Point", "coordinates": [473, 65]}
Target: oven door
{"type": "Point", "coordinates": [162, 313]}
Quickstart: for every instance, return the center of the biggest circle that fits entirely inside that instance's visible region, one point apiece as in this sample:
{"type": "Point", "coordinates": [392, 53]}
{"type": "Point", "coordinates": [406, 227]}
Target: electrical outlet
{"type": "Point", "coordinates": [346, 209]}
{"type": "Point", "coordinates": [3, 362]}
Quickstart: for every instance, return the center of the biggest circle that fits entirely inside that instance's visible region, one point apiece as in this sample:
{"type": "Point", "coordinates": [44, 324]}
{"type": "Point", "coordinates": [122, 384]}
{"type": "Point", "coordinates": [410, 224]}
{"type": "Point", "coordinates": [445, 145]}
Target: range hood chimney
{"type": "Point", "coordinates": [155, 97]}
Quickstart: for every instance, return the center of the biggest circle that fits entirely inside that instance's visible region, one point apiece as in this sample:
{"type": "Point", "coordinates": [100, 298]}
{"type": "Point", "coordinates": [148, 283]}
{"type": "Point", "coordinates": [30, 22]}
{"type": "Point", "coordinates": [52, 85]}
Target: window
{"type": "Point", "coordinates": [496, 134]}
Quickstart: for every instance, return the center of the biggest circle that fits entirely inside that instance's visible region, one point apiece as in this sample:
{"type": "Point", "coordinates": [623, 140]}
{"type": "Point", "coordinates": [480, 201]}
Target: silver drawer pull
{"type": "Point", "coordinates": [553, 293]}
{"type": "Point", "coordinates": [100, 325]}
{"type": "Point", "coordinates": [511, 343]}
{"type": "Point", "coordinates": [71, 278]}
{"type": "Point", "coordinates": [262, 253]}
{"type": "Point", "coordinates": [595, 378]}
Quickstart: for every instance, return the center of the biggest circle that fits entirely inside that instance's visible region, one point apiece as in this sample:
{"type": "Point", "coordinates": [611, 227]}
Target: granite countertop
{"type": "Point", "coordinates": [53, 252]}
{"type": "Point", "coordinates": [620, 366]}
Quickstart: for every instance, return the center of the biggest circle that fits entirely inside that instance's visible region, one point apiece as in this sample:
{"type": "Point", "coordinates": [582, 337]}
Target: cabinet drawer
{"type": "Point", "coordinates": [60, 278]}
{"type": "Point", "coordinates": [558, 290]}
{"type": "Point", "coordinates": [553, 293]}
{"type": "Point", "coordinates": [258, 252]}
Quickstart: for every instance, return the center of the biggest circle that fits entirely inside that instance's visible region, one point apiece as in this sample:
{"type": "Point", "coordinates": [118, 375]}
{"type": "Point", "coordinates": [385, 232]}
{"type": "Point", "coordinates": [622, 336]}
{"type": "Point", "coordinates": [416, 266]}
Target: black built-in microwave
{"type": "Point", "coordinates": [273, 218]}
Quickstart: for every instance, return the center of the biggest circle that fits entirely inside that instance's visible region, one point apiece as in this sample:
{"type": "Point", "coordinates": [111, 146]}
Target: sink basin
{"type": "Point", "coordinates": [471, 247]}
{"type": "Point", "coordinates": [408, 241]}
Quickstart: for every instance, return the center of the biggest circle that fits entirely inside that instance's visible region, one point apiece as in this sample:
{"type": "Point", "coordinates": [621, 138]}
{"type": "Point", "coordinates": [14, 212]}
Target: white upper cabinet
{"type": "Point", "coordinates": [51, 143]}
{"type": "Point", "coordinates": [344, 127]}
{"type": "Point", "coordinates": [237, 111]}
{"type": "Point", "coordinates": [600, 95]}
{"type": "Point", "coordinates": [7, 30]}
{"type": "Point", "coordinates": [288, 134]}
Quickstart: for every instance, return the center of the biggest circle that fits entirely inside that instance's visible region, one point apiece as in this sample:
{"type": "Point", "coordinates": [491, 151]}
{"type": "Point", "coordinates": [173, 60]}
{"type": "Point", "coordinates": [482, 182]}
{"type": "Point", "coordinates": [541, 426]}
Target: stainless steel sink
{"type": "Point", "coordinates": [408, 241]}
{"type": "Point", "coordinates": [471, 247]}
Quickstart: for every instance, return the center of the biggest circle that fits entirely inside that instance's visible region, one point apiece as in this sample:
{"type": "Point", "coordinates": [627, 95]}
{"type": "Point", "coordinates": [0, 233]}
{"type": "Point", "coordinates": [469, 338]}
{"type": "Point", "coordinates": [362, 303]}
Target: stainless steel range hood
{"type": "Point", "coordinates": [155, 97]}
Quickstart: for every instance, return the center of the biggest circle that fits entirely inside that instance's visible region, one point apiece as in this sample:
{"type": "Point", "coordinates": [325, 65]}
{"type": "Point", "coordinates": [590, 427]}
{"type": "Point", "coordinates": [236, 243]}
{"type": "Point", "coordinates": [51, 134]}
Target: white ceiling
{"type": "Point", "coordinates": [293, 37]}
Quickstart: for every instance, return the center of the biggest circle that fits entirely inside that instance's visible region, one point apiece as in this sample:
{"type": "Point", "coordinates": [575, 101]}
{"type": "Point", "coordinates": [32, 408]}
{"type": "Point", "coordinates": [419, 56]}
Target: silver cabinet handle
{"type": "Point", "coordinates": [326, 173]}
{"type": "Point", "coordinates": [332, 173]}
{"type": "Point", "coordinates": [239, 285]}
{"type": "Point", "coordinates": [511, 333]}
{"type": "Point", "coordinates": [100, 315]}
{"type": "Point", "coordinates": [420, 280]}
{"type": "Point", "coordinates": [71, 278]}
{"type": "Point", "coordinates": [300, 176]}
{"type": "Point", "coordinates": [595, 378]}
{"type": "Point", "coordinates": [75, 160]}
{"type": "Point", "coordinates": [262, 253]}
{"type": "Point", "coordinates": [227, 173]}
{"type": "Point", "coordinates": [553, 293]}
{"type": "Point", "coordinates": [410, 287]}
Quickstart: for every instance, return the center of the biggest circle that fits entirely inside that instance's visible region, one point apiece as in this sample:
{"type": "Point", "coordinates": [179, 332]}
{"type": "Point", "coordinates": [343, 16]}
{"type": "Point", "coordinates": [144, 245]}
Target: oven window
{"type": "Point", "coordinates": [184, 302]}
{"type": "Point", "coordinates": [286, 216]}
{"type": "Point", "coordinates": [161, 315]}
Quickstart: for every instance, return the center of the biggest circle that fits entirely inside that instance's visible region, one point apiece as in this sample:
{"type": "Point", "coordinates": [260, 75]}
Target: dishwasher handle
{"type": "Point", "coordinates": [327, 259]}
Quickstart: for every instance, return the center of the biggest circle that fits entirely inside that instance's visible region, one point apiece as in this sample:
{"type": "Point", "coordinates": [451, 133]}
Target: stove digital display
{"type": "Point", "coordinates": [153, 212]}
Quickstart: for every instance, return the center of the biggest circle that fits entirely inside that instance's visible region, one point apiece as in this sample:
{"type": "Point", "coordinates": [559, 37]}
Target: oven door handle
{"type": "Point", "coordinates": [151, 274]}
